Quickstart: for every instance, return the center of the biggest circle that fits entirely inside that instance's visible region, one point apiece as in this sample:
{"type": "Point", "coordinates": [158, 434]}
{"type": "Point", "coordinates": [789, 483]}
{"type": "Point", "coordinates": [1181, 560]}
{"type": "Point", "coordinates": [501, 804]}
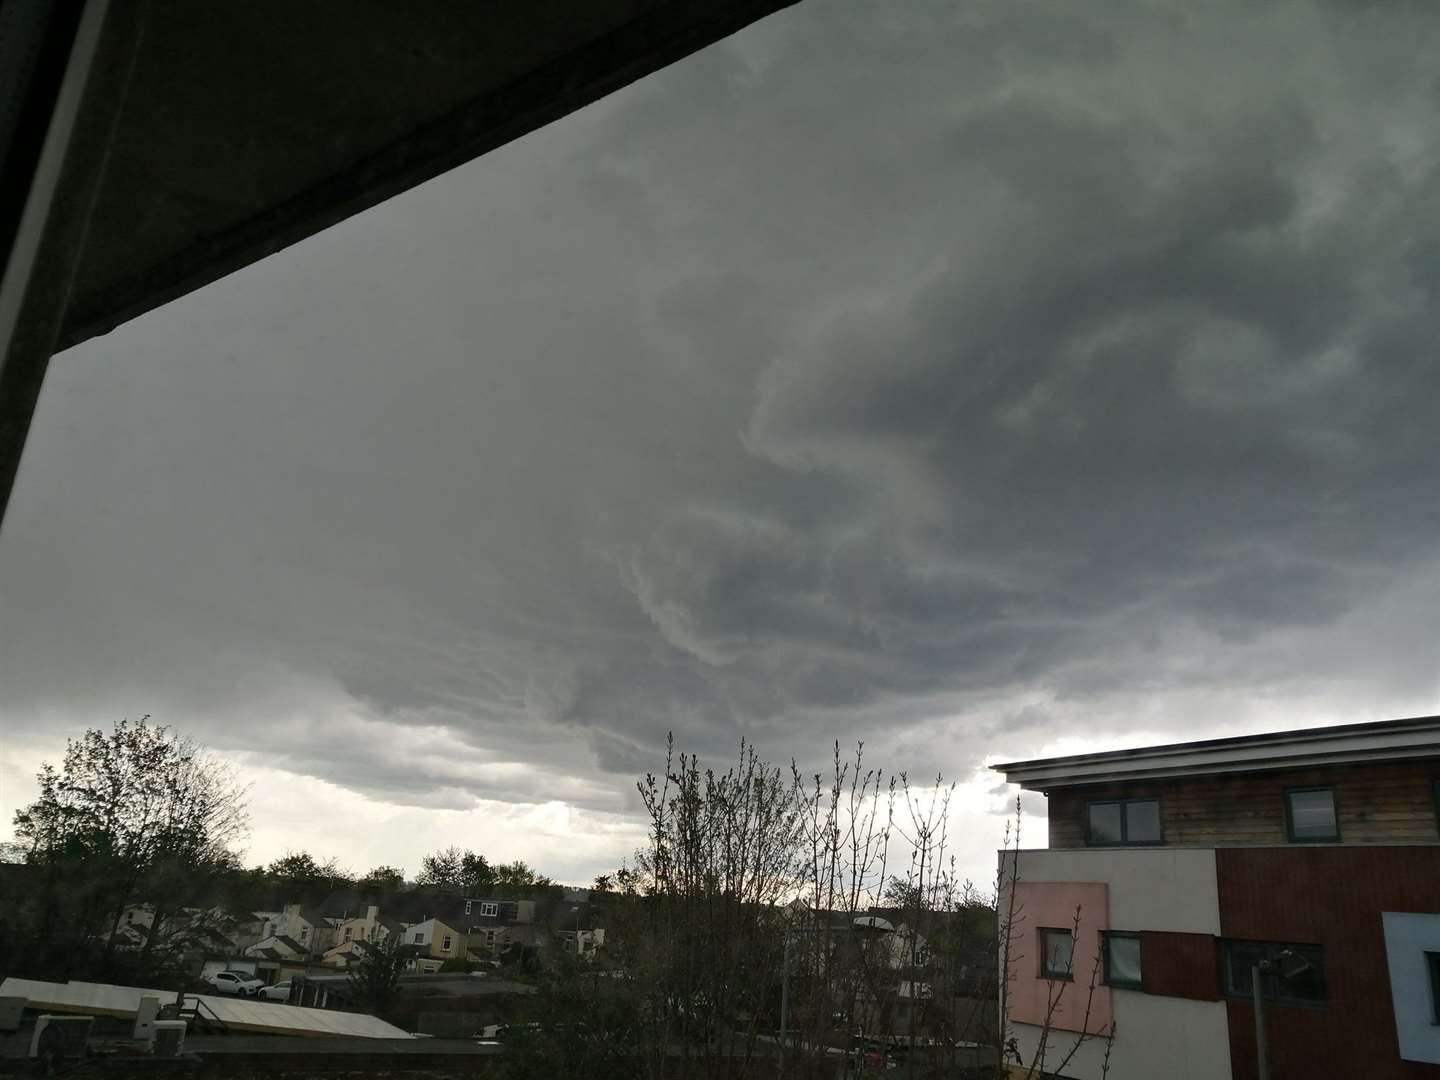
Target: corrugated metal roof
{"type": "Point", "coordinates": [238, 1014]}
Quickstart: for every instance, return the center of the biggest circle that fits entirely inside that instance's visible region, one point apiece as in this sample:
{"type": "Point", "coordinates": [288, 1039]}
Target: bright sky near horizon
{"type": "Point", "coordinates": [979, 381]}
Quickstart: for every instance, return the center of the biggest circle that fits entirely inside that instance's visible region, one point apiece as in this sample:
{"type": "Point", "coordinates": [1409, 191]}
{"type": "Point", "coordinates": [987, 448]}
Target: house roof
{"type": "Point", "coordinates": [1386, 740]}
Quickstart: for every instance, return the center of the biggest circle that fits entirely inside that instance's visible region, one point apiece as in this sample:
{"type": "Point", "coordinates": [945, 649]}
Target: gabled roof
{"type": "Point", "coordinates": [1387, 740]}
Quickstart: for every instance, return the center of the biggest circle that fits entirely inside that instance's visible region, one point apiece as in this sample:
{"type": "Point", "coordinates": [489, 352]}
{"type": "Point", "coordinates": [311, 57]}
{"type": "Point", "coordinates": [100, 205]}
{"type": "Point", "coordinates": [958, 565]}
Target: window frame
{"type": "Point", "coordinates": [445, 943]}
{"type": "Point", "coordinates": [1106, 936]}
{"type": "Point", "coordinates": [468, 904]}
{"type": "Point", "coordinates": [488, 909]}
{"type": "Point", "coordinates": [1124, 803]}
{"type": "Point", "coordinates": [1290, 815]}
{"type": "Point", "coordinates": [1045, 971]}
{"type": "Point", "coordinates": [1432, 968]}
{"type": "Point", "coordinates": [1277, 997]}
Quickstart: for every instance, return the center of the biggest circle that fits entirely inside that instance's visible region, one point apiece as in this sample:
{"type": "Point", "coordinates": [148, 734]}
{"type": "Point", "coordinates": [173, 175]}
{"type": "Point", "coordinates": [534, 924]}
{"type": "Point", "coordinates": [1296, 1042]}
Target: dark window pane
{"type": "Point", "coordinates": [1105, 823]}
{"type": "Point", "coordinates": [1057, 957]}
{"type": "Point", "coordinates": [1142, 822]}
{"type": "Point", "coordinates": [1122, 960]}
{"type": "Point", "coordinates": [1296, 975]}
{"type": "Point", "coordinates": [1240, 957]}
{"type": "Point", "coordinates": [1303, 977]}
{"type": "Point", "coordinates": [1312, 815]}
{"type": "Point", "coordinates": [1432, 959]}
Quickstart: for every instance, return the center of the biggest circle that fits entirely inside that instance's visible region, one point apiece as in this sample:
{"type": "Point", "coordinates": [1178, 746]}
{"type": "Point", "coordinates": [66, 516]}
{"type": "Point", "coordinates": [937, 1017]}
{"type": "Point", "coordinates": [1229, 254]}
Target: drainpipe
{"type": "Point", "coordinates": [1262, 1047]}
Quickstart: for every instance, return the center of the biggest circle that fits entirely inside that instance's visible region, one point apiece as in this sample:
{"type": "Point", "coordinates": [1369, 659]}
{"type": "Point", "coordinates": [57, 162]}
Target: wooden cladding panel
{"type": "Point", "coordinates": [1179, 965]}
{"type": "Point", "coordinates": [1332, 897]}
{"type": "Point", "coordinates": [1391, 803]}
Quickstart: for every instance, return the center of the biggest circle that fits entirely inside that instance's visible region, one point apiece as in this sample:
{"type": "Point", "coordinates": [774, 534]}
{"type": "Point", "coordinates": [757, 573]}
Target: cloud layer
{"type": "Point", "coordinates": [966, 380]}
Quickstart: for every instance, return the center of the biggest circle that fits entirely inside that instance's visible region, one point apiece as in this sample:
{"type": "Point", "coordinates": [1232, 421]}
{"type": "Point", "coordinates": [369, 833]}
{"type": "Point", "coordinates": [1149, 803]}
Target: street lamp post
{"type": "Point", "coordinates": [1262, 1048]}
{"type": "Point", "coordinates": [1276, 966]}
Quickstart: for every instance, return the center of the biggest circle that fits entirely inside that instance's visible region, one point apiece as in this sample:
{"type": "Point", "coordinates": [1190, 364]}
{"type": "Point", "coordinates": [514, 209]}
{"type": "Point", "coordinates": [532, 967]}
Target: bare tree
{"type": "Point", "coordinates": [1012, 918]}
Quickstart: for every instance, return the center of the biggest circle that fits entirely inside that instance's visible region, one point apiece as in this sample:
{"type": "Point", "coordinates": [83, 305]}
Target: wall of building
{"type": "Point", "coordinates": [1334, 897]}
{"type": "Point", "coordinates": [1149, 888]}
{"type": "Point", "coordinates": [1388, 803]}
{"type": "Point", "coordinates": [1155, 1037]}
{"type": "Point", "coordinates": [1170, 897]}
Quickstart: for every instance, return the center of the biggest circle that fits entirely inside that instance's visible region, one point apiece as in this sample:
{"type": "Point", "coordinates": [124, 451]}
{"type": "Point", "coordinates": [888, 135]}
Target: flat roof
{"type": "Point", "coordinates": [1337, 744]}
{"type": "Point", "coordinates": [238, 1014]}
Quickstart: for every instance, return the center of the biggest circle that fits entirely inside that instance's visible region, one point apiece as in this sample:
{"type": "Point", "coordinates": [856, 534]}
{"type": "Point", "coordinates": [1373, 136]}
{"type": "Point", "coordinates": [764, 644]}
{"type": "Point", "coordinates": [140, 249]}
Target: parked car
{"type": "Point", "coordinates": [239, 983]}
{"type": "Point", "coordinates": [277, 992]}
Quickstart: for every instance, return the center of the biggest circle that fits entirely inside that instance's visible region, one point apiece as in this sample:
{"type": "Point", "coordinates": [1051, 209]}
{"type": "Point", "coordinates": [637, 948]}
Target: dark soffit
{"type": "Point", "coordinates": [251, 125]}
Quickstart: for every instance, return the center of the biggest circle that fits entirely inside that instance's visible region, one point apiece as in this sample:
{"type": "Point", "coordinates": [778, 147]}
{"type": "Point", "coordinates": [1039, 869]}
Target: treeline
{"type": "Point", "coordinates": [449, 870]}
{"type": "Point", "coordinates": [142, 816]}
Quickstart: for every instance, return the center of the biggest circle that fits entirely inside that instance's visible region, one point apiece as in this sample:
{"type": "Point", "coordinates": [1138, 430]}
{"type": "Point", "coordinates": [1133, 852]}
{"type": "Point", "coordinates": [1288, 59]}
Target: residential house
{"type": "Point", "coordinates": [435, 942]}
{"type": "Point", "coordinates": [494, 926]}
{"type": "Point", "coordinates": [307, 926]}
{"type": "Point", "coordinates": [277, 948]}
{"type": "Point", "coordinates": [252, 927]}
{"type": "Point", "coordinates": [371, 926]}
{"type": "Point", "coordinates": [585, 943]}
{"type": "Point", "coordinates": [1179, 875]}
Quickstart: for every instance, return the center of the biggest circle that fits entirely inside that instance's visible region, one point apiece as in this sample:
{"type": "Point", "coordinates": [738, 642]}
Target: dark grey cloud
{"type": "Point", "coordinates": [959, 379]}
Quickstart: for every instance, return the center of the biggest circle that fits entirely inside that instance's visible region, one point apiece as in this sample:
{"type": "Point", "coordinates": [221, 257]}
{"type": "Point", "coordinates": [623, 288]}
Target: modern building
{"type": "Point", "coordinates": [1172, 872]}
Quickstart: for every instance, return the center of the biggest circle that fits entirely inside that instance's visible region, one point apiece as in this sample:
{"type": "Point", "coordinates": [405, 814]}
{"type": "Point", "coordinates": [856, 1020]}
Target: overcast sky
{"type": "Point", "coordinates": [979, 380]}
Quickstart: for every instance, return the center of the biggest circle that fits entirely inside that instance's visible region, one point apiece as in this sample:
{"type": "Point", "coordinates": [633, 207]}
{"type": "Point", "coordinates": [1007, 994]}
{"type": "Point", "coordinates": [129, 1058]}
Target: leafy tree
{"type": "Point", "coordinates": [476, 874]}
{"type": "Point", "coordinates": [301, 871]}
{"type": "Point", "coordinates": [442, 869]}
{"type": "Point", "coordinates": [388, 878]}
{"type": "Point", "coordinates": [111, 827]}
{"type": "Point", "coordinates": [296, 867]}
{"type": "Point", "coordinates": [375, 977]}
{"type": "Point", "coordinates": [453, 870]}
{"type": "Point", "coordinates": [518, 877]}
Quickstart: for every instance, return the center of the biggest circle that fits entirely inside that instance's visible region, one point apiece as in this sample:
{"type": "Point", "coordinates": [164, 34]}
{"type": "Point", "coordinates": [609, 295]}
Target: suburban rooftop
{"type": "Point", "coordinates": [1385, 740]}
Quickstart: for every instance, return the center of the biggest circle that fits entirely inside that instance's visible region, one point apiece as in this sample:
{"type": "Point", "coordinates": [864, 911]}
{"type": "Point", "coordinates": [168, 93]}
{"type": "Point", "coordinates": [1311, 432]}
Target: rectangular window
{"type": "Point", "coordinates": [348, 931]}
{"type": "Point", "coordinates": [1122, 959]}
{"type": "Point", "coordinates": [1293, 974]}
{"type": "Point", "coordinates": [489, 909]}
{"type": "Point", "coordinates": [1310, 815]}
{"type": "Point", "coordinates": [1124, 821]}
{"type": "Point", "coordinates": [1057, 949]}
{"type": "Point", "coordinates": [418, 939]}
{"type": "Point", "coordinates": [445, 944]}
{"type": "Point", "coordinates": [1432, 964]}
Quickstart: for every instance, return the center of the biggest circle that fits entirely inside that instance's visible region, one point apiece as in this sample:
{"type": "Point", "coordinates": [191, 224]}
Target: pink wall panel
{"type": "Point", "coordinates": [1042, 904]}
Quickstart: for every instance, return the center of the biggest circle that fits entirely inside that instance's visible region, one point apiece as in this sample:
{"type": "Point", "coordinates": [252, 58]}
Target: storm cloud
{"type": "Point", "coordinates": [972, 380]}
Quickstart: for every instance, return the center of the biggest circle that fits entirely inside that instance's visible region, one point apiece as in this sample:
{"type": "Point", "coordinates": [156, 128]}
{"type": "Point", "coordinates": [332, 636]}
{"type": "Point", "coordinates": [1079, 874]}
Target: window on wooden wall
{"type": "Point", "coordinates": [1124, 821]}
{"type": "Point", "coordinates": [1057, 953]}
{"type": "Point", "coordinates": [1121, 953]}
{"type": "Point", "coordinates": [1296, 975]}
{"type": "Point", "coordinates": [1432, 965]}
{"type": "Point", "coordinates": [1310, 815]}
